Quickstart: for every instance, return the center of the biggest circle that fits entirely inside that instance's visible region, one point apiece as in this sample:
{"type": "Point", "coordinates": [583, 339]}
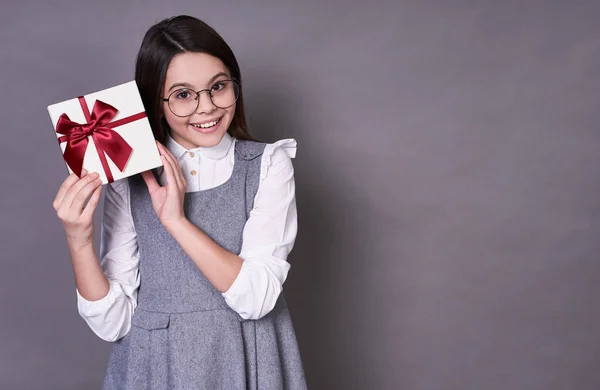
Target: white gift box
{"type": "Point", "coordinates": [126, 99]}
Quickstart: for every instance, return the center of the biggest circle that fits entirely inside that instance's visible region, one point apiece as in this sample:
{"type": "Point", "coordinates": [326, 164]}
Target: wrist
{"type": "Point", "coordinates": [175, 225]}
{"type": "Point", "coordinates": [79, 249]}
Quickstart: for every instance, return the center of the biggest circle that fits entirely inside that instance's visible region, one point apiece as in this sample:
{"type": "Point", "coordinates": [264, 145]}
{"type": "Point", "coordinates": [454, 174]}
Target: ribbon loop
{"type": "Point", "coordinates": [98, 126]}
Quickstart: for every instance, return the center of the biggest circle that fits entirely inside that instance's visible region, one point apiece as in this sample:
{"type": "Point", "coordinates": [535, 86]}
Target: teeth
{"type": "Point", "coordinates": [206, 125]}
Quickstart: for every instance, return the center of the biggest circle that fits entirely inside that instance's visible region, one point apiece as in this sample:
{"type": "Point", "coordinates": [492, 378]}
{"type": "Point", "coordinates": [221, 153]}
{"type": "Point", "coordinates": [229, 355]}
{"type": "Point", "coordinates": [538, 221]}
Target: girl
{"type": "Point", "coordinates": [193, 256]}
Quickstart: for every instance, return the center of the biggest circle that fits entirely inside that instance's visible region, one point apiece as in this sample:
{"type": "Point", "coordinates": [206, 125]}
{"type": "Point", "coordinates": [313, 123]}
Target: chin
{"type": "Point", "coordinates": [207, 140]}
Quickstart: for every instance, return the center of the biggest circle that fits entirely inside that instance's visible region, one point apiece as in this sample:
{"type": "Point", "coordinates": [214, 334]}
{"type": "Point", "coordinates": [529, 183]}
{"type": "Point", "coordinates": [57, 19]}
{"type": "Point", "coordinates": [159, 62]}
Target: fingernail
{"type": "Point", "coordinates": [84, 172]}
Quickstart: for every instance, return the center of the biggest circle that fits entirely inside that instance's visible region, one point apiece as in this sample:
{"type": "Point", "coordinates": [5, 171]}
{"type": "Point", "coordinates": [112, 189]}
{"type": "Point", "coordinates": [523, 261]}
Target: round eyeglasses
{"type": "Point", "coordinates": [185, 101]}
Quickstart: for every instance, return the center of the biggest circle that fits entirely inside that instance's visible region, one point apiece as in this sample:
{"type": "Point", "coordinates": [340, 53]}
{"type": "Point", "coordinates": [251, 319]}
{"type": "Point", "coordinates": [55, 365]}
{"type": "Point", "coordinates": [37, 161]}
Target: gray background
{"type": "Point", "coordinates": [447, 183]}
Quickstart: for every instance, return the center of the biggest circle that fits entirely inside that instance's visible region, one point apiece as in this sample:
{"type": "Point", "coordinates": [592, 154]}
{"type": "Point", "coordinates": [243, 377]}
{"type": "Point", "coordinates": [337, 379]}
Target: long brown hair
{"type": "Point", "coordinates": [165, 40]}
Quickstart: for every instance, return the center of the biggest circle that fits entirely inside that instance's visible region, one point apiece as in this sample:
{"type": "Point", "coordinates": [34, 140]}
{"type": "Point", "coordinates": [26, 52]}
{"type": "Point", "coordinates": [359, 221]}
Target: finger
{"type": "Point", "coordinates": [83, 195]}
{"type": "Point", "coordinates": [166, 151]}
{"type": "Point", "coordinates": [179, 172]}
{"type": "Point", "coordinates": [169, 172]}
{"type": "Point", "coordinates": [151, 181]}
{"type": "Point", "coordinates": [176, 167]}
{"type": "Point", "coordinates": [178, 179]}
{"type": "Point", "coordinates": [88, 211]}
{"type": "Point", "coordinates": [62, 191]}
{"type": "Point", "coordinates": [75, 188]}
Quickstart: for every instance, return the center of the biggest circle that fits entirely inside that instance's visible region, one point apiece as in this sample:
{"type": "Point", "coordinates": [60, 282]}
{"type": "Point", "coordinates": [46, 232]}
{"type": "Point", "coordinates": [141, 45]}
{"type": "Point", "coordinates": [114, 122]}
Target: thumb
{"type": "Point", "coordinates": [151, 182]}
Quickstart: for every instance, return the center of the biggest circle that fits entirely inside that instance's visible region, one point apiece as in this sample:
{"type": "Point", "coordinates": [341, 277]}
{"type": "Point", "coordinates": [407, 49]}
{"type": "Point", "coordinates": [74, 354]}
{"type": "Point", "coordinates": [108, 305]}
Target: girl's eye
{"type": "Point", "coordinates": [183, 94]}
{"type": "Point", "coordinates": [218, 86]}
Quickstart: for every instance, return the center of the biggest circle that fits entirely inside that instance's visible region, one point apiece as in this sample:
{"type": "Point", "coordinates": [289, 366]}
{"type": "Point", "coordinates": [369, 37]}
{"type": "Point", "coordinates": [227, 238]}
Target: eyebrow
{"type": "Point", "coordinates": [187, 85]}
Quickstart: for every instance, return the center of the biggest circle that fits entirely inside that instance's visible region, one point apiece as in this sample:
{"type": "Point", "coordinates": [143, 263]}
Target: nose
{"type": "Point", "coordinates": [205, 104]}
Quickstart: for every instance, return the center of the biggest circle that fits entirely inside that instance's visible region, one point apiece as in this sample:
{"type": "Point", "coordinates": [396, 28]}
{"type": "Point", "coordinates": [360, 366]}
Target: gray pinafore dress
{"type": "Point", "coordinates": [183, 334]}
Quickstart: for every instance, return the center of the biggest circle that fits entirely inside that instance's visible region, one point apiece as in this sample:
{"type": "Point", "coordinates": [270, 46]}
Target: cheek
{"type": "Point", "coordinates": [174, 121]}
{"type": "Point", "coordinates": [231, 112]}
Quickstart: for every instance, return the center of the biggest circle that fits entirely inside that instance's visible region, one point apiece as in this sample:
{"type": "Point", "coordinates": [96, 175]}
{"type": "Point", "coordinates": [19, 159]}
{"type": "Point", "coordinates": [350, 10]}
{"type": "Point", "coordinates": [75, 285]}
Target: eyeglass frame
{"type": "Point", "coordinates": [197, 98]}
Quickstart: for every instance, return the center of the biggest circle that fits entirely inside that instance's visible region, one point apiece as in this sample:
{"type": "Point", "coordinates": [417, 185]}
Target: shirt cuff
{"type": "Point", "coordinates": [94, 308]}
{"type": "Point", "coordinates": [254, 292]}
{"type": "Point", "coordinates": [239, 286]}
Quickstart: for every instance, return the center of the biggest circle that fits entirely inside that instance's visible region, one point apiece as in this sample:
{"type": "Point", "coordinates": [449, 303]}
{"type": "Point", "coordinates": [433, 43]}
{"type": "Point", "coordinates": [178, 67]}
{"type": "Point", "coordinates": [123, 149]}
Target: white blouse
{"type": "Point", "coordinates": [268, 236]}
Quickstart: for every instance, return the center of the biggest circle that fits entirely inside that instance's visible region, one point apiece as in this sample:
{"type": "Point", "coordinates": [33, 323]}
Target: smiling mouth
{"type": "Point", "coordinates": [206, 125]}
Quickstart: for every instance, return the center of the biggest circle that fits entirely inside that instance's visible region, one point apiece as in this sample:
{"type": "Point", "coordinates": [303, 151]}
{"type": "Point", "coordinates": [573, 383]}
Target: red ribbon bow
{"type": "Point", "coordinates": [99, 126]}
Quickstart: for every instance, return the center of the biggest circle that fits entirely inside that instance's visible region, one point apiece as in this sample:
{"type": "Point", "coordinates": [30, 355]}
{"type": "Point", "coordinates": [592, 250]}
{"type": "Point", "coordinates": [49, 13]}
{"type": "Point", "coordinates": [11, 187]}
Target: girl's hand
{"type": "Point", "coordinates": [70, 205]}
{"type": "Point", "coordinates": [167, 201]}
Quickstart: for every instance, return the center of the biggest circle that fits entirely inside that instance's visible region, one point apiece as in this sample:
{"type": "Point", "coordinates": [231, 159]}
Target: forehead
{"type": "Point", "coordinates": [193, 68]}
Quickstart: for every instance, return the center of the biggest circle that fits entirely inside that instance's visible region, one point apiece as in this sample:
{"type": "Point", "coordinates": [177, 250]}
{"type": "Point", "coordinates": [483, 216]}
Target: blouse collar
{"type": "Point", "coordinates": [216, 152]}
